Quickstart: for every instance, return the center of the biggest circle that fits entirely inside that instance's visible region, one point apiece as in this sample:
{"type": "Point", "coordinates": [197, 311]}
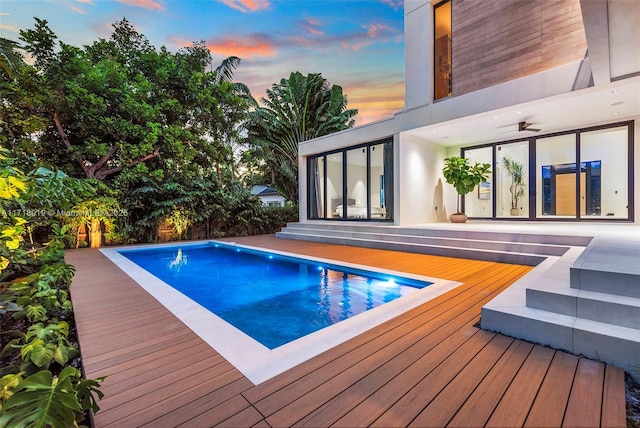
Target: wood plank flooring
{"type": "Point", "coordinates": [430, 366]}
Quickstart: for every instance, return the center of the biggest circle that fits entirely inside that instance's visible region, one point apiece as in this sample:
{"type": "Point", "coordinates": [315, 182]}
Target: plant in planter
{"type": "Point", "coordinates": [517, 186]}
{"type": "Point", "coordinates": [464, 178]}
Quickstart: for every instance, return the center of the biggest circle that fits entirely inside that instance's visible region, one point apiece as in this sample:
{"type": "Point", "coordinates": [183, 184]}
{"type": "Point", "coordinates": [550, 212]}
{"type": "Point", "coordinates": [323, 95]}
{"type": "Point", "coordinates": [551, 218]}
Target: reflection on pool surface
{"type": "Point", "coordinates": [272, 298]}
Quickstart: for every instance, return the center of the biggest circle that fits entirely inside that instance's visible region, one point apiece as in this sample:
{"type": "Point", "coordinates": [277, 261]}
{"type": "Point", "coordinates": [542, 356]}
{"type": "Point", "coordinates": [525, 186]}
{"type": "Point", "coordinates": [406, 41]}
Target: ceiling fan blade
{"type": "Point", "coordinates": [525, 126]}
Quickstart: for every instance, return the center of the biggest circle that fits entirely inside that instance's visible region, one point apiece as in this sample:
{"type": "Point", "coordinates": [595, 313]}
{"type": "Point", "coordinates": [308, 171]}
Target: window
{"type": "Point", "coordinates": [479, 203]}
{"type": "Point", "coordinates": [352, 184]}
{"type": "Point", "coordinates": [442, 50]}
{"type": "Point", "coordinates": [584, 174]}
{"type": "Point", "coordinates": [512, 179]}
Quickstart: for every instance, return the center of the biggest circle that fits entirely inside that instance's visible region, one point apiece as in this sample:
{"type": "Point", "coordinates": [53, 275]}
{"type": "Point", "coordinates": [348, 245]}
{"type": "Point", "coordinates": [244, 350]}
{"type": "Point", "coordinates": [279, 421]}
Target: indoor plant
{"type": "Point", "coordinates": [464, 178]}
{"type": "Point", "coordinates": [516, 172]}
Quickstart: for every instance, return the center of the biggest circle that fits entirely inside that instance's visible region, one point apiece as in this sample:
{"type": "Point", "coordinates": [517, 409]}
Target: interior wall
{"type": "Point", "coordinates": [357, 184]}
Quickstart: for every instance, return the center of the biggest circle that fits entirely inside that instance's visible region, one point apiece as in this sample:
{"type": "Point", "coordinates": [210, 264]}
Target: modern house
{"type": "Point", "coordinates": [548, 88]}
{"type": "Point", "coordinates": [553, 86]}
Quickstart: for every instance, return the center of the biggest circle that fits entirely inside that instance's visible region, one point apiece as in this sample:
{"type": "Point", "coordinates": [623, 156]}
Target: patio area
{"type": "Point", "coordinates": [430, 366]}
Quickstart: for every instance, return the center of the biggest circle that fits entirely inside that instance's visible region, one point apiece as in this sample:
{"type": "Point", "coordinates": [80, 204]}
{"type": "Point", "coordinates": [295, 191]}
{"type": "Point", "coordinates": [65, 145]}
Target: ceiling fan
{"type": "Point", "coordinates": [526, 126]}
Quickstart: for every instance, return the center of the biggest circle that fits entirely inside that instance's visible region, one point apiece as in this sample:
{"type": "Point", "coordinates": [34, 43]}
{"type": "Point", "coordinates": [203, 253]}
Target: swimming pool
{"type": "Point", "coordinates": [272, 298]}
{"type": "Point", "coordinates": [255, 360]}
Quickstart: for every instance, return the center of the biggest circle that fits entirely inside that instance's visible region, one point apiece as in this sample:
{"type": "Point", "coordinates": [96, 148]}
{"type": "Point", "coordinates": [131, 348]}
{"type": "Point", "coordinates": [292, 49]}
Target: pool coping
{"type": "Point", "coordinates": [254, 360]}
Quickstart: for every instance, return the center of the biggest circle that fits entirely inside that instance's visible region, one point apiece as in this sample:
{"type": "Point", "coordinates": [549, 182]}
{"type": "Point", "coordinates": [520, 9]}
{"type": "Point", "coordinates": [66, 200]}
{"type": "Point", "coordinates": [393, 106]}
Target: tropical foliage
{"type": "Point", "coordinates": [515, 170]}
{"type": "Point", "coordinates": [296, 109]}
{"type": "Point", "coordinates": [118, 104]}
{"type": "Point", "coordinates": [463, 176]}
{"type": "Point", "coordinates": [35, 308]}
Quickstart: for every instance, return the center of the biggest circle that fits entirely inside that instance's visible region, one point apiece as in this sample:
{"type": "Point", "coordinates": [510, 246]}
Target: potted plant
{"type": "Point", "coordinates": [464, 178]}
{"type": "Point", "coordinates": [517, 186]}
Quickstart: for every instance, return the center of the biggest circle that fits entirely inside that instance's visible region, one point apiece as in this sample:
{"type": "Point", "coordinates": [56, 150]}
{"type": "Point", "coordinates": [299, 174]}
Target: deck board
{"type": "Point", "coordinates": [430, 365]}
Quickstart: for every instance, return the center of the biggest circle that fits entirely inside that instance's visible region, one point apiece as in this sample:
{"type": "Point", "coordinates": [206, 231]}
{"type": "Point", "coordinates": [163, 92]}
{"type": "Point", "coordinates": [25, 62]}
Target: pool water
{"type": "Point", "coordinates": [272, 298]}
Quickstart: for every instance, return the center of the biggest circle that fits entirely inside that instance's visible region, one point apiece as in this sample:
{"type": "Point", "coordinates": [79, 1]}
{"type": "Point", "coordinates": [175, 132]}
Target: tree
{"type": "Point", "coordinates": [296, 109]}
{"type": "Point", "coordinates": [120, 104]}
{"type": "Point", "coordinates": [9, 57]}
{"type": "Point", "coordinates": [463, 176]}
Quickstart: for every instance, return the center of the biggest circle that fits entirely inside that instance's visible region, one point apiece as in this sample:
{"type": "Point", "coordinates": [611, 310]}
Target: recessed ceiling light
{"type": "Point", "coordinates": [519, 112]}
{"type": "Point", "coordinates": [446, 136]}
{"type": "Point", "coordinates": [613, 91]}
{"type": "Point", "coordinates": [495, 117]}
{"type": "Point", "coordinates": [617, 103]}
{"type": "Point", "coordinates": [615, 113]}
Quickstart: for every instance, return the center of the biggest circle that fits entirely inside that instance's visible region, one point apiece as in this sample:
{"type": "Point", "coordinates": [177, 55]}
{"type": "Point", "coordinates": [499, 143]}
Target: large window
{"type": "Point", "coordinates": [442, 50]}
{"type": "Point", "coordinates": [583, 174]}
{"type": "Point", "coordinates": [604, 154]}
{"type": "Point", "coordinates": [352, 184]}
{"type": "Point", "coordinates": [479, 203]}
{"type": "Point", "coordinates": [512, 179]}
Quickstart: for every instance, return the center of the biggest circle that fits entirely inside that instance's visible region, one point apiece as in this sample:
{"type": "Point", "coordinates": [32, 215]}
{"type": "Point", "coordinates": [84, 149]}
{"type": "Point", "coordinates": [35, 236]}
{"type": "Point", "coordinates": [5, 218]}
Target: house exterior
{"type": "Point", "coordinates": [549, 87]}
{"type": "Point", "coordinates": [269, 197]}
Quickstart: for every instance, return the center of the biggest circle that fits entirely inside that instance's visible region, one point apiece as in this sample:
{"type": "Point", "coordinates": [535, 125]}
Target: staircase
{"type": "Point", "coordinates": [586, 302]}
{"type": "Point", "coordinates": [518, 248]}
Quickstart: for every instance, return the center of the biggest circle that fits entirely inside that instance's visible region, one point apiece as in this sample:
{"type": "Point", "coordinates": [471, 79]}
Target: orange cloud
{"type": "Point", "coordinates": [145, 4]}
{"type": "Point", "coordinates": [247, 47]}
{"type": "Point", "coordinates": [375, 102]}
{"type": "Point", "coordinates": [247, 5]}
{"type": "Point", "coordinates": [9, 28]}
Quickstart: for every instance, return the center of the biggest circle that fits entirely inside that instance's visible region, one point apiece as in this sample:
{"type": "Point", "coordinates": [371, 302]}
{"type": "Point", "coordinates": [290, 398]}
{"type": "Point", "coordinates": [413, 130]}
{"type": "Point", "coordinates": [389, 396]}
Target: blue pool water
{"type": "Point", "coordinates": [272, 298]}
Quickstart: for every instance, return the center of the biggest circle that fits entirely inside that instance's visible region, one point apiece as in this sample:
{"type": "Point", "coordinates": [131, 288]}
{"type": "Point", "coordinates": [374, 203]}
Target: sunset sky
{"type": "Point", "coordinates": [355, 44]}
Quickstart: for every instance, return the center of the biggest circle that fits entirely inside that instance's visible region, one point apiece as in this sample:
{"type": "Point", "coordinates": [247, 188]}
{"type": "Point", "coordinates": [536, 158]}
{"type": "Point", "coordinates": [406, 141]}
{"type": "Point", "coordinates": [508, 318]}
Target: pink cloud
{"type": "Point", "coordinates": [247, 5]}
{"type": "Point", "coordinates": [254, 45]}
{"type": "Point", "coordinates": [145, 4]}
{"type": "Point", "coordinates": [394, 4]}
{"type": "Point", "coordinates": [86, 1]}
{"type": "Point", "coordinates": [312, 25]}
{"type": "Point", "coordinates": [374, 29]}
{"type": "Point", "coordinates": [76, 9]}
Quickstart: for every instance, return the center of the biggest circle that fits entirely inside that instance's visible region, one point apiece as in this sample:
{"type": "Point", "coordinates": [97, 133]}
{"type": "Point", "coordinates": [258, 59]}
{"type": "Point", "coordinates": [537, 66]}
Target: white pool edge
{"type": "Point", "coordinates": [254, 360]}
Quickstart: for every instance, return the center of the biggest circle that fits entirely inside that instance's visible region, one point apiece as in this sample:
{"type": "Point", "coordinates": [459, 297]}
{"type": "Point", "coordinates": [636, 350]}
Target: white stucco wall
{"type": "Point", "coordinates": [418, 48]}
{"type": "Point", "coordinates": [422, 198]}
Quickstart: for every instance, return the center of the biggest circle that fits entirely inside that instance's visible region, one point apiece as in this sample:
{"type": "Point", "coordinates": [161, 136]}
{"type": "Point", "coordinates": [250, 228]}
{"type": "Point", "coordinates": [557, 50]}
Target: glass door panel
{"type": "Point", "coordinates": [335, 187]}
{"type": "Point", "coordinates": [556, 183]}
{"type": "Point", "coordinates": [378, 182]}
{"type": "Point", "coordinates": [604, 157]}
{"type": "Point", "coordinates": [316, 188]}
{"type": "Point", "coordinates": [356, 186]}
{"type": "Point", "coordinates": [479, 203]}
{"type": "Point", "coordinates": [512, 180]}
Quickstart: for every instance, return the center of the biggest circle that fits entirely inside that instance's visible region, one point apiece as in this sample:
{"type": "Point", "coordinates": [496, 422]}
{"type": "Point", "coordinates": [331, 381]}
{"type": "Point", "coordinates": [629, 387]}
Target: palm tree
{"type": "Point", "coordinates": [296, 109]}
{"type": "Point", "coordinates": [9, 58]}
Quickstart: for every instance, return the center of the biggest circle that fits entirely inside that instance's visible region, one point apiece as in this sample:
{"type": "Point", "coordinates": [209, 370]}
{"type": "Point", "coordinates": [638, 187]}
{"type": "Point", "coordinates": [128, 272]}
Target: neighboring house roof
{"type": "Point", "coordinates": [263, 191]}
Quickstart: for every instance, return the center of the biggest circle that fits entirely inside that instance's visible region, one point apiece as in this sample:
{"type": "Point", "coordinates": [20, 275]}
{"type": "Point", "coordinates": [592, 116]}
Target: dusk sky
{"type": "Point", "coordinates": [355, 44]}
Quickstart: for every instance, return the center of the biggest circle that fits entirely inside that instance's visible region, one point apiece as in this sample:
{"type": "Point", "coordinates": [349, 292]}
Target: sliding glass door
{"type": "Point", "coordinates": [576, 175]}
{"type": "Point", "coordinates": [352, 184]}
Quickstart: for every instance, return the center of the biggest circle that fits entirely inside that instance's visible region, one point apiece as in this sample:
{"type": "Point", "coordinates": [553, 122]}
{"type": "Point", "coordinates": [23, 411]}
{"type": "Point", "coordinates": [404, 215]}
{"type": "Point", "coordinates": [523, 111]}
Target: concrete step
{"type": "Point", "coordinates": [601, 341]}
{"type": "Point", "coordinates": [477, 233]}
{"type": "Point", "coordinates": [609, 266]}
{"type": "Point", "coordinates": [420, 248]}
{"type": "Point", "coordinates": [397, 235]}
{"type": "Point", "coordinates": [589, 305]}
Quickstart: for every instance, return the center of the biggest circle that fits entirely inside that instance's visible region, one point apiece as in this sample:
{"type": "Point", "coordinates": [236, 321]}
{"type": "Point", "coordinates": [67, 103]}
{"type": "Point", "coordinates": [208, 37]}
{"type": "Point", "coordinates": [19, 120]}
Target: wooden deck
{"type": "Point", "coordinates": [428, 367]}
